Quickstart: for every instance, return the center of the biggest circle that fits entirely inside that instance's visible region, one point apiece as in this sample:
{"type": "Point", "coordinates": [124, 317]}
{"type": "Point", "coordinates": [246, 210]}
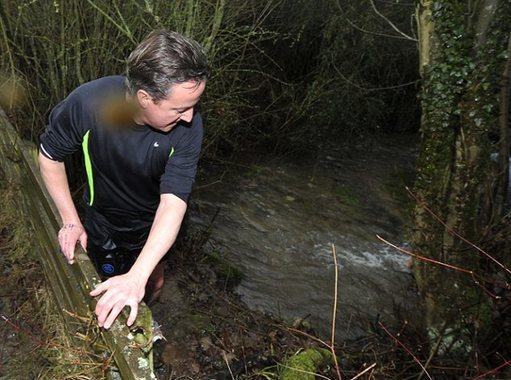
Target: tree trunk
{"type": "Point", "coordinates": [502, 195]}
{"type": "Point", "coordinates": [461, 49]}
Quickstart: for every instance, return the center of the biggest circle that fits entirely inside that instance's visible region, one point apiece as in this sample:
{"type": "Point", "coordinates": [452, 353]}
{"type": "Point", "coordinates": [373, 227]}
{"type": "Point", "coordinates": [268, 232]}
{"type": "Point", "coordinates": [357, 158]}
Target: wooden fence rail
{"type": "Point", "coordinates": [130, 348]}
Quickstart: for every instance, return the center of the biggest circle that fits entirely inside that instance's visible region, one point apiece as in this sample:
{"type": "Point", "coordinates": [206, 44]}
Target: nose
{"type": "Point", "coordinates": [187, 115]}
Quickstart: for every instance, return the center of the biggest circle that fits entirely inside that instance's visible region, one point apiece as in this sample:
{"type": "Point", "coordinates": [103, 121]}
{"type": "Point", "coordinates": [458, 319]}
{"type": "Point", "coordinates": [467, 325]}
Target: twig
{"type": "Point", "coordinates": [483, 376]}
{"type": "Point", "coordinates": [364, 371]}
{"type": "Point", "coordinates": [76, 316]}
{"type": "Point", "coordinates": [331, 346]}
{"type": "Point", "coordinates": [334, 314]}
{"type": "Point", "coordinates": [476, 278]}
{"type": "Point", "coordinates": [126, 32]}
{"type": "Point", "coordinates": [451, 231]}
{"type": "Point", "coordinates": [406, 349]}
{"type": "Point", "coordinates": [406, 36]}
{"type": "Point", "coordinates": [426, 258]}
{"type": "Point", "coordinates": [371, 89]}
{"type": "Point", "coordinates": [224, 356]}
{"type": "Point", "coordinates": [434, 351]}
{"type": "Point", "coordinates": [368, 31]}
{"type": "Point", "coordinates": [21, 330]}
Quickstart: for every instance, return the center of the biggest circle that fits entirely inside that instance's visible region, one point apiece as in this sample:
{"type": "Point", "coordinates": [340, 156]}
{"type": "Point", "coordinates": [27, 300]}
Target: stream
{"type": "Point", "coordinates": [280, 220]}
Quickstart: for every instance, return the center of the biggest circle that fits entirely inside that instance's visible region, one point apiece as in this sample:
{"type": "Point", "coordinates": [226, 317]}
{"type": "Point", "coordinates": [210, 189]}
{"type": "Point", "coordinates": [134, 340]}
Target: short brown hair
{"type": "Point", "coordinates": [162, 59]}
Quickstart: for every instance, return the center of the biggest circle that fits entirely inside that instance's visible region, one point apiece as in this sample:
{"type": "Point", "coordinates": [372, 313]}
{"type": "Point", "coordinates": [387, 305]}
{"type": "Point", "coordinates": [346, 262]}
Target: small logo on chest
{"type": "Point", "coordinates": [156, 144]}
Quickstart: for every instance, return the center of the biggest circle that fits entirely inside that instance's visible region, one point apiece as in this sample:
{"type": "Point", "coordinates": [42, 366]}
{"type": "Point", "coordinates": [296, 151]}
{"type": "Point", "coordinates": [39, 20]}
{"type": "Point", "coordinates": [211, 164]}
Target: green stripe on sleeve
{"type": "Point", "coordinates": [171, 151]}
{"type": "Point", "coordinates": [88, 166]}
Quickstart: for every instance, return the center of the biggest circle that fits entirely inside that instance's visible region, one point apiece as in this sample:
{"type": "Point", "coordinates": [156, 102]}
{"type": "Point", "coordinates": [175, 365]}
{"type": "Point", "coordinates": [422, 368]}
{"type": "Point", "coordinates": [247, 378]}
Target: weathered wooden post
{"type": "Point", "coordinates": [131, 348]}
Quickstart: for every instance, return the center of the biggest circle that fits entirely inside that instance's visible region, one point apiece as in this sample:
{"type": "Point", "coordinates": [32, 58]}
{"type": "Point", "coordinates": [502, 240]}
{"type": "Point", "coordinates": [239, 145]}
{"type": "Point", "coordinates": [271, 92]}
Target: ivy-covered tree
{"type": "Point", "coordinates": [462, 177]}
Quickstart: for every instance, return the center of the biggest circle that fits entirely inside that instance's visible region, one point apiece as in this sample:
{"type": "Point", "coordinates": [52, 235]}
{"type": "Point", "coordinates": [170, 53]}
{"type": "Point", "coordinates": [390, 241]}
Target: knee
{"type": "Point", "coordinates": [156, 283]}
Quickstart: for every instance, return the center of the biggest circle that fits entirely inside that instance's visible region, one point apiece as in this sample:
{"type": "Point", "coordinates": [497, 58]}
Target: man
{"type": "Point", "coordinates": [140, 166]}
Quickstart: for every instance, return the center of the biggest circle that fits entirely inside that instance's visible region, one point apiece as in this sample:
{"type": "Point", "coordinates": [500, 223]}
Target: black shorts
{"type": "Point", "coordinates": [111, 263]}
{"type": "Point", "coordinates": [113, 248]}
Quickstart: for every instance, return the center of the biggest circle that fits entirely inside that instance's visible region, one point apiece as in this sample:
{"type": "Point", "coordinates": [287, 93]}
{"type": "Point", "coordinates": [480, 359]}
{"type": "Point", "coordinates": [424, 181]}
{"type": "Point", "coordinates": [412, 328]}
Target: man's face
{"type": "Point", "coordinates": [165, 114]}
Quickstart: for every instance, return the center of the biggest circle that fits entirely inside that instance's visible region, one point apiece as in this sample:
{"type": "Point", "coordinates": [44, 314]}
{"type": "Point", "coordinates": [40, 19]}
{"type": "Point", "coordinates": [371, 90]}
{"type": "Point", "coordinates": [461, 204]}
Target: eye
{"type": "Point", "coordinates": [182, 110]}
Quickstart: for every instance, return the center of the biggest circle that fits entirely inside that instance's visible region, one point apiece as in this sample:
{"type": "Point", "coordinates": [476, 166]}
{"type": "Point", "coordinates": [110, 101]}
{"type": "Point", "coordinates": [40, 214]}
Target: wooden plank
{"type": "Point", "coordinates": [131, 348]}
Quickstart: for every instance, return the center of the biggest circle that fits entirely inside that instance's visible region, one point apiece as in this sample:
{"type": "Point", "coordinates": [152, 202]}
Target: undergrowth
{"type": "Point", "coordinates": [36, 344]}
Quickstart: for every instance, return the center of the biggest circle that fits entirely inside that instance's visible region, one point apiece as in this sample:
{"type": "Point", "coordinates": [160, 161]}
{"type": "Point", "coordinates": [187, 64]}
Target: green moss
{"type": "Point", "coordinates": [304, 365]}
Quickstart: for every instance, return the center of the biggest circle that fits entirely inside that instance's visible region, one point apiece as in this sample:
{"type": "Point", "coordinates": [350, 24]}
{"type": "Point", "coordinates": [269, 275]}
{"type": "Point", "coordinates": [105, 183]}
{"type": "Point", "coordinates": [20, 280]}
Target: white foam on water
{"type": "Point", "coordinates": [368, 254]}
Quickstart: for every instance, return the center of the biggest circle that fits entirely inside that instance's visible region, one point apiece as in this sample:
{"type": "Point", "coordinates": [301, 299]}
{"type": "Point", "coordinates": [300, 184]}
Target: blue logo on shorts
{"type": "Point", "coordinates": [107, 268]}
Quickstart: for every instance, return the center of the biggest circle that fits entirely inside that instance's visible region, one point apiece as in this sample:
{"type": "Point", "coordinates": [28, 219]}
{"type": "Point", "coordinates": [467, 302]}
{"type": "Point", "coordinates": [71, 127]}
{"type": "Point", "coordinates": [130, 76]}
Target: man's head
{"type": "Point", "coordinates": [163, 59]}
{"type": "Point", "coordinates": [166, 74]}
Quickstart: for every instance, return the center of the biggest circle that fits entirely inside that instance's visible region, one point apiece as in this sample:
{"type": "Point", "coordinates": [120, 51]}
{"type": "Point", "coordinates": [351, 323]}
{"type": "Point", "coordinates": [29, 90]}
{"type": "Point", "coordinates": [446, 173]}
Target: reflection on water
{"type": "Point", "coordinates": [278, 222]}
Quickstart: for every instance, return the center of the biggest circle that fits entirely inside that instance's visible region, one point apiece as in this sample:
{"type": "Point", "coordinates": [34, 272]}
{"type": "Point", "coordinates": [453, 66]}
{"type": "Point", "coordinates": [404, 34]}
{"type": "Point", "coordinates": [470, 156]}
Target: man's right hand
{"type": "Point", "coordinates": [55, 180]}
{"type": "Point", "coordinates": [69, 234]}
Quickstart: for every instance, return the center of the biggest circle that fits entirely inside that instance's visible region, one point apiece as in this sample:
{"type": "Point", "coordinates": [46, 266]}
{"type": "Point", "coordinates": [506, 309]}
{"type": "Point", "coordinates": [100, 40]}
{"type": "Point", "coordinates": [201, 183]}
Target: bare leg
{"type": "Point", "coordinates": [155, 283]}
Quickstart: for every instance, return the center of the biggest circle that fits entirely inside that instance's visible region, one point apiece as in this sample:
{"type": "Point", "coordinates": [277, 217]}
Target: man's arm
{"type": "Point", "coordinates": [128, 289]}
{"type": "Point", "coordinates": [55, 180]}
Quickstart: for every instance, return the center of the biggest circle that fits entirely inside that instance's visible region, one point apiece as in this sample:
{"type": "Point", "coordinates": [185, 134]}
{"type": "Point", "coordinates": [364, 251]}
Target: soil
{"type": "Point", "coordinates": [209, 333]}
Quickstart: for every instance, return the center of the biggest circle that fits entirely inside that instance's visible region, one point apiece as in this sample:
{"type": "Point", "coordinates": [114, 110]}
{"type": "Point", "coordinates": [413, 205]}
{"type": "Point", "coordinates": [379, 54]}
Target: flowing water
{"type": "Point", "coordinates": [279, 221]}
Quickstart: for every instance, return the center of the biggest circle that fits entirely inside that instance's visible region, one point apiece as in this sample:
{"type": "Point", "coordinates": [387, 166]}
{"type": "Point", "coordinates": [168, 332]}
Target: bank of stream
{"type": "Point", "coordinates": [267, 229]}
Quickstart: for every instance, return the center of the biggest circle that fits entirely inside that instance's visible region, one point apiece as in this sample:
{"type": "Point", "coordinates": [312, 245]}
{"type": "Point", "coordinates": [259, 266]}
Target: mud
{"type": "Point", "coordinates": [209, 333]}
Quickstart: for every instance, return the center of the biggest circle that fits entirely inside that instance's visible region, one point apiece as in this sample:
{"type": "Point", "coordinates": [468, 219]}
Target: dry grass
{"type": "Point", "coordinates": [36, 342]}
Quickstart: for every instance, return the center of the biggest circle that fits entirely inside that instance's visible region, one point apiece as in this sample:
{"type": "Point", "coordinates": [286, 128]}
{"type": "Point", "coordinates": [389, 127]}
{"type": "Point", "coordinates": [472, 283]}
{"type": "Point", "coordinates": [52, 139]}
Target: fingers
{"type": "Point", "coordinates": [114, 312]}
{"type": "Point", "coordinates": [70, 256]}
{"type": "Point", "coordinates": [108, 306]}
{"type": "Point", "coordinates": [66, 247]}
{"type": "Point", "coordinates": [107, 314]}
{"type": "Point", "coordinates": [116, 296]}
{"type": "Point", "coordinates": [68, 235]}
{"type": "Point", "coordinates": [100, 288]}
{"type": "Point", "coordinates": [133, 313]}
{"type": "Point", "coordinates": [83, 241]}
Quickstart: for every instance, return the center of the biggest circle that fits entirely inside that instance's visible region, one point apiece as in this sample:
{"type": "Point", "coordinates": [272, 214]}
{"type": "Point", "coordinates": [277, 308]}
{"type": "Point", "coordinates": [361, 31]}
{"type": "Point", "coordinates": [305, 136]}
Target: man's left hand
{"type": "Point", "coordinates": [119, 291]}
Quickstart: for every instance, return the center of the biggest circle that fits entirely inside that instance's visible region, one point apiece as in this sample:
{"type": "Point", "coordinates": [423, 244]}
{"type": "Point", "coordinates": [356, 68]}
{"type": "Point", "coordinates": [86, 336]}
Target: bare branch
{"type": "Point", "coordinates": [406, 349]}
{"type": "Point", "coordinates": [371, 89]}
{"type": "Point", "coordinates": [406, 36]}
{"type": "Point", "coordinates": [400, 37]}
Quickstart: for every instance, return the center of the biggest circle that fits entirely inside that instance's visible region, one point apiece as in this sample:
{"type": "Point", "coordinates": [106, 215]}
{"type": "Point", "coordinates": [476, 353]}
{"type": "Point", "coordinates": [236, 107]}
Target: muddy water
{"type": "Point", "coordinates": [280, 220]}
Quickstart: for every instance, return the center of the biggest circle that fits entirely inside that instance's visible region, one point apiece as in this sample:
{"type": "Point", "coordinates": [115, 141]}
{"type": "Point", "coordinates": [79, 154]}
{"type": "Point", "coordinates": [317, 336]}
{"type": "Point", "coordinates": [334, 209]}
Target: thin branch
{"type": "Point", "coordinates": [454, 233]}
{"type": "Point", "coordinates": [334, 314]}
{"type": "Point", "coordinates": [406, 36]}
{"type": "Point", "coordinates": [315, 338]}
{"type": "Point", "coordinates": [227, 364]}
{"type": "Point", "coordinates": [484, 375]}
{"type": "Point", "coordinates": [373, 33]}
{"type": "Point", "coordinates": [364, 371]}
{"type": "Point", "coordinates": [350, 82]}
{"type": "Point", "coordinates": [331, 346]}
{"type": "Point", "coordinates": [426, 258]}
{"type": "Point", "coordinates": [23, 331]}
{"type": "Point", "coordinates": [127, 33]}
{"type": "Point", "coordinates": [406, 349]}
{"type": "Point", "coordinates": [477, 279]}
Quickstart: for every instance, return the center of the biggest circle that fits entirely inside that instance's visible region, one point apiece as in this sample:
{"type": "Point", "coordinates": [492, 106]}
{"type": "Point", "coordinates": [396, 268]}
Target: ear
{"type": "Point", "coordinates": [143, 98]}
